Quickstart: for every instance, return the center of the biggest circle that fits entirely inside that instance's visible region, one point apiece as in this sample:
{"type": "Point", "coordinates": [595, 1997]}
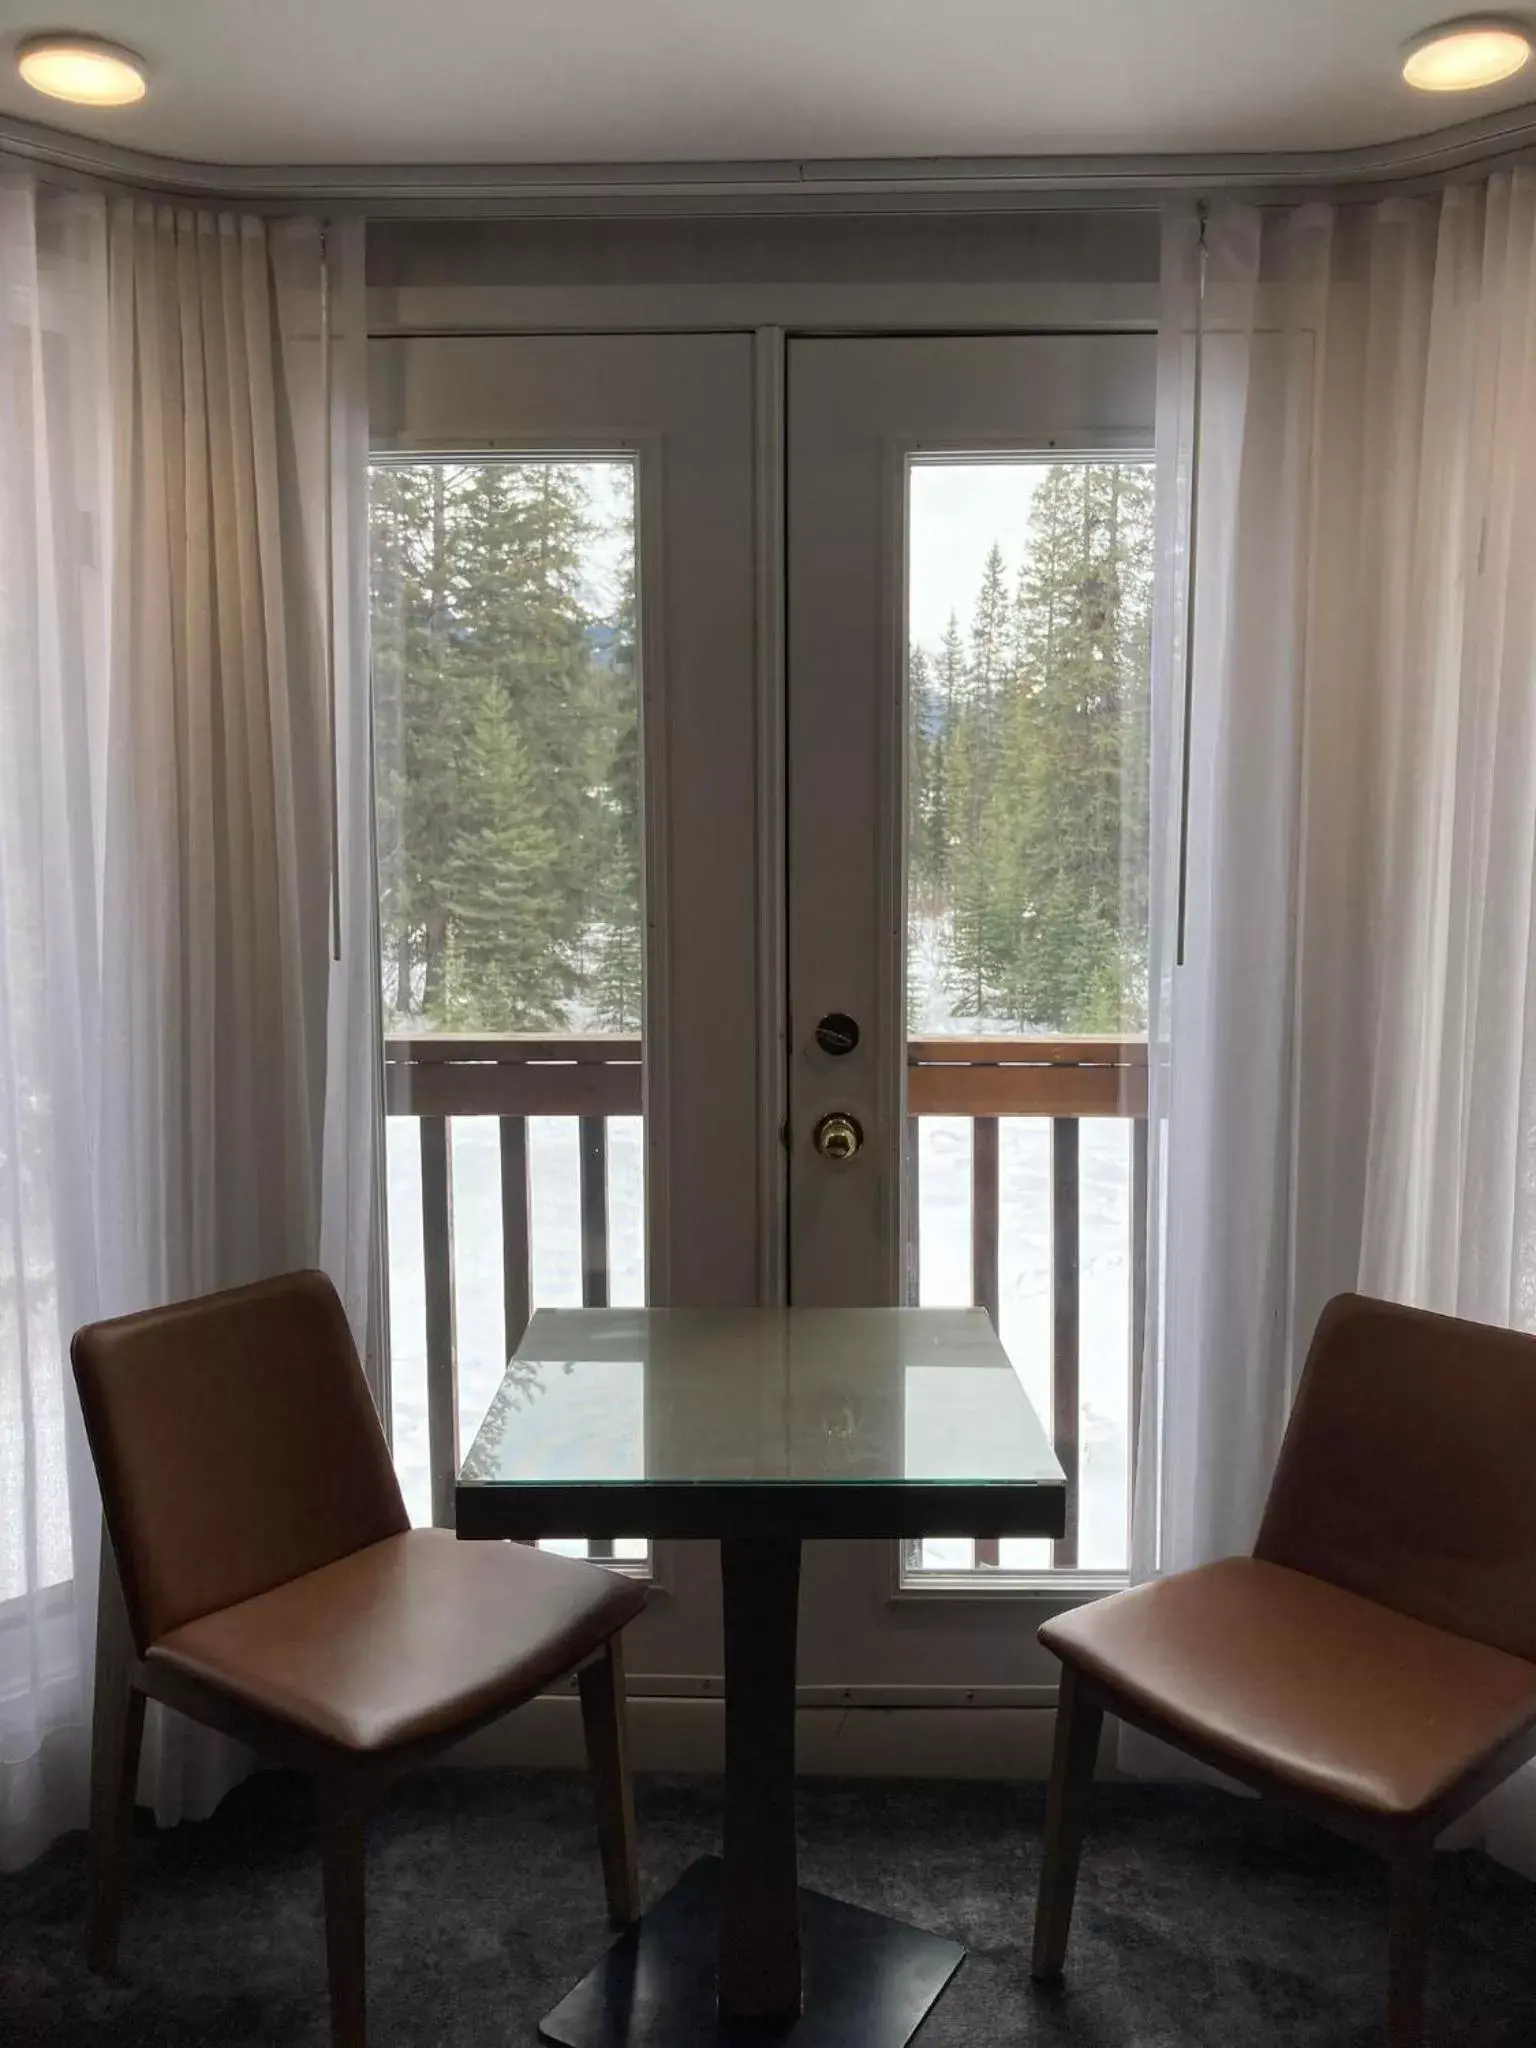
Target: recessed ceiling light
{"type": "Point", "coordinates": [83, 69]}
{"type": "Point", "coordinates": [1457, 56]}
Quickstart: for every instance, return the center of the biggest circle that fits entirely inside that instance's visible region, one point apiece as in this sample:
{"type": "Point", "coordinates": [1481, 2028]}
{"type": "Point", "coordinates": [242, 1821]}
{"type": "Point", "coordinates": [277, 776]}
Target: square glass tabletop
{"type": "Point", "coordinates": [695, 1422]}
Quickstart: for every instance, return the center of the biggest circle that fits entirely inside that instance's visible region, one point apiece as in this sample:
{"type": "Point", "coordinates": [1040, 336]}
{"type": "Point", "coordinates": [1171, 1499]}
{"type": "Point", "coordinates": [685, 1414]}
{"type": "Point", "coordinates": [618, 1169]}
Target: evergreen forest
{"type": "Point", "coordinates": [506, 746]}
{"type": "Point", "coordinates": [505, 692]}
{"type": "Point", "coordinates": [1027, 774]}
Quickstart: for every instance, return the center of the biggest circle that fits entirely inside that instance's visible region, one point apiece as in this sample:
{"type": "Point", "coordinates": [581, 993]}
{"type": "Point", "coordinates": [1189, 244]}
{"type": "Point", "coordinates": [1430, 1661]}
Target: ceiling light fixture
{"type": "Point", "coordinates": [1458, 56]}
{"type": "Point", "coordinates": [83, 69]}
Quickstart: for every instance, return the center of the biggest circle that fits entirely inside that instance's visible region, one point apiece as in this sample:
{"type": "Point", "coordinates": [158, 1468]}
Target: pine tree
{"type": "Point", "coordinates": [992, 644]}
{"type": "Point", "coordinates": [507, 920]}
{"type": "Point", "coordinates": [522, 620]}
{"type": "Point", "coordinates": [416, 719]}
{"type": "Point", "coordinates": [949, 683]}
{"type": "Point", "coordinates": [978, 930]}
{"type": "Point", "coordinates": [948, 692]}
{"type": "Point", "coordinates": [508, 773]}
{"type": "Point", "coordinates": [927, 822]}
{"type": "Point", "coordinates": [617, 973]}
{"type": "Point", "coordinates": [1043, 771]}
{"type": "Point", "coordinates": [1070, 833]}
{"type": "Point", "coordinates": [975, 900]}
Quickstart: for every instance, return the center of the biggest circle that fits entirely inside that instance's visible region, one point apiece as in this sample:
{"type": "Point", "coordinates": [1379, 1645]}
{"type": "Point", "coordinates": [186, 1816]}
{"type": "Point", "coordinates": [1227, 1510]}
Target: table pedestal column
{"type": "Point", "coordinates": [717, 1962]}
{"type": "Point", "coordinates": [759, 1966]}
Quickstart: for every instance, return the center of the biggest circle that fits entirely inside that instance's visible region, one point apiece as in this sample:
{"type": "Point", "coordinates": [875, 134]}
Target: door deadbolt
{"type": "Point", "coordinates": [838, 1135]}
{"type": "Point", "coordinates": [837, 1033]}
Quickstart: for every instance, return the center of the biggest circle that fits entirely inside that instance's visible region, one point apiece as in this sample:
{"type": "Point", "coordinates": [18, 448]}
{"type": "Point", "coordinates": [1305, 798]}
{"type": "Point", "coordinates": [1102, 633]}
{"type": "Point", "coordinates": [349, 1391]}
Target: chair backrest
{"type": "Point", "coordinates": [1408, 1472]}
{"type": "Point", "coordinates": [236, 1444]}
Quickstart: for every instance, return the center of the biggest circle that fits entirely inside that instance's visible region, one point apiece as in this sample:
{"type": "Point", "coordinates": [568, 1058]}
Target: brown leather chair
{"type": "Point", "coordinates": [1374, 1661]}
{"type": "Point", "coordinates": [275, 1589]}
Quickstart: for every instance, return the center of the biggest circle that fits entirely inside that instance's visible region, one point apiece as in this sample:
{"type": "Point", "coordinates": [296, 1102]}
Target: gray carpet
{"type": "Point", "coordinates": [1201, 1919]}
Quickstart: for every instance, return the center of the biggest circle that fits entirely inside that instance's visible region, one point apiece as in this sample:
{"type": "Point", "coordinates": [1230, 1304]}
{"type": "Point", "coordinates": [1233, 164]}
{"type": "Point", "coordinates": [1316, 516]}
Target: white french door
{"type": "Point", "coordinates": [677, 587]}
{"type": "Point", "coordinates": [969, 547]}
{"type": "Point", "coordinates": [578, 512]}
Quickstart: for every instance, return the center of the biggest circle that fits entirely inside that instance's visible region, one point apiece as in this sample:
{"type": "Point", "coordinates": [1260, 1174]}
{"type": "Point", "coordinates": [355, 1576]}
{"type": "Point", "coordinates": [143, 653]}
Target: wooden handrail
{"type": "Point", "coordinates": [537, 1075]}
{"type": "Point", "coordinates": [512, 1076]}
{"type": "Point", "coordinates": [510, 1049]}
{"type": "Point", "coordinates": [1027, 1052]}
{"type": "Point", "coordinates": [1027, 1077]}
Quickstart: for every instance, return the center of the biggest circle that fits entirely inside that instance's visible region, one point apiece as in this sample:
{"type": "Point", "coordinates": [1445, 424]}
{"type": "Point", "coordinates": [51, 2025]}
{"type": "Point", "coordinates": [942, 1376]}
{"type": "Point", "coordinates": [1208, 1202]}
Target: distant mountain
{"type": "Point", "coordinates": [604, 638]}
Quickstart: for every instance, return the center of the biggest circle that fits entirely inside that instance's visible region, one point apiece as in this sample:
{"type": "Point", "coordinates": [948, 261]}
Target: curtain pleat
{"type": "Point", "coordinates": [55, 540]}
{"type": "Point", "coordinates": [168, 1063]}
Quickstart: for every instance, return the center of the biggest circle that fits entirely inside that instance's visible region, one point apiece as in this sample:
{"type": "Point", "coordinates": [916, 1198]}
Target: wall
{"type": "Point", "coordinates": [839, 272]}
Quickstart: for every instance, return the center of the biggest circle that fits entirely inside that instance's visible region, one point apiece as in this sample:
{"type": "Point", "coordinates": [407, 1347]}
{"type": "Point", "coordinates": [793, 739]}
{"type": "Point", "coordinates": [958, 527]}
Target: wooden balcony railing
{"type": "Point", "coordinates": [1063, 1080]}
{"type": "Point", "coordinates": [512, 1078]}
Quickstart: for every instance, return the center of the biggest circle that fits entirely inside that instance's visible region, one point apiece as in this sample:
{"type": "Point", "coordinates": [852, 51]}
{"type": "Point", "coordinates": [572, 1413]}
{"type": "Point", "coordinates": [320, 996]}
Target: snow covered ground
{"type": "Point", "coordinates": [1024, 1274]}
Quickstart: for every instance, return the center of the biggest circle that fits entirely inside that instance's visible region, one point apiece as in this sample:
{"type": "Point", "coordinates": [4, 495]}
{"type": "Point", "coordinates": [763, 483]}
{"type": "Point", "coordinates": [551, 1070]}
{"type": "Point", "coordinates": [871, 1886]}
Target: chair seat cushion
{"type": "Point", "coordinates": [1292, 1678]}
{"type": "Point", "coordinates": [416, 1636]}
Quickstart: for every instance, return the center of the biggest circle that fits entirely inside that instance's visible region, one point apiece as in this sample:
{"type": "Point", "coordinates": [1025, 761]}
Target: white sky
{"type": "Point", "coordinates": [957, 510]}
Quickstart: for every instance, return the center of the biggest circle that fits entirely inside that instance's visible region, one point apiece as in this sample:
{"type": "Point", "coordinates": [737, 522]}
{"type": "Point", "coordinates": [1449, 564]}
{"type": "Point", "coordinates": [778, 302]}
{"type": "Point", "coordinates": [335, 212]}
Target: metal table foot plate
{"type": "Point", "coordinates": [869, 1982]}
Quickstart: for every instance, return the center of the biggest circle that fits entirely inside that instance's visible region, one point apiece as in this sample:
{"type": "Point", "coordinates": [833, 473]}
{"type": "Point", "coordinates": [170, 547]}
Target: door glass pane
{"type": "Point", "coordinates": [506, 695]}
{"type": "Point", "coordinates": [1029, 612]}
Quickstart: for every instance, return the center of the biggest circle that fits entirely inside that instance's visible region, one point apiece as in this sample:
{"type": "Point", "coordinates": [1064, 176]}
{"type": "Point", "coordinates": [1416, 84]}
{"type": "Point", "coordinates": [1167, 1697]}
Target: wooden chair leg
{"type": "Point", "coordinates": [1408, 1948]}
{"type": "Point", "coordinates": [341, 1840]}
{"type": "Point", "coordinates": [603, 1719]}
{"type": "Point", "coordinates": [117, 1736]}
{"type": "Point", "coordinates": [1066, 1817]}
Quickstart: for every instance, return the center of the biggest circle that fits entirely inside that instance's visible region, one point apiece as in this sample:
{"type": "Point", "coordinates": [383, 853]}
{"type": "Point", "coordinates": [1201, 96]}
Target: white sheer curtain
{"type": "Point", "coordinates": [55, 543]}
{"type": "Point", "coordinates": [166, 980]}
{"type": "Point", "coordinates": [1344, 1089]}
{"type": "Point", "coordinates": [352, 1188]}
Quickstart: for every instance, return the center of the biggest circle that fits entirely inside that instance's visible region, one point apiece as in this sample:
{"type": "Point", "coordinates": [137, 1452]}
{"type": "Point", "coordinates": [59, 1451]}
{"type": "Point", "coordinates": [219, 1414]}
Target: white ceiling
{"type": "Point", "coordinates": [484, 81]}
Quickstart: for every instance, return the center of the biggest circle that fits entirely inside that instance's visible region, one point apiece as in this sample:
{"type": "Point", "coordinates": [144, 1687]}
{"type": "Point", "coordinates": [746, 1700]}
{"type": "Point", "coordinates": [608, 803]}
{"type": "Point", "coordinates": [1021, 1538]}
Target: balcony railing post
{"type": "Point", "coordinates": [1138, 1278]}
{"type": "Point", "coordinates": [515, 1243]}
{"type": "Point", "coordinates": [1065, 1326]}
{"type": "Point", "coordinates": [912, 1213]}
{"type": "Point", "coordinates": [594, 1212]}
{"type": "Point", "coordinates": [984, 1214]}
{"type": "Point", "coordinates": [442, 1345]}
{"type": "Point", "coordinates": [985, 1232]}
{"type": "Point", "coordinates": [594, 1249]}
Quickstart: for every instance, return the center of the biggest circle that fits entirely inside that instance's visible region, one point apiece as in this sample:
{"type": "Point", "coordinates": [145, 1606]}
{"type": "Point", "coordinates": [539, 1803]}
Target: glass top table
{"type": "Point", "coordinates": [753, 1422]}
{"type": "Point", "coordinates": [759, 1428]}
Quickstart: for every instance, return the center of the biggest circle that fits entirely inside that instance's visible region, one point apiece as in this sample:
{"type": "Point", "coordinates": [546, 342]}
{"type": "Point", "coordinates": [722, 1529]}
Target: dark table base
{"type": "Point", "coordinates": [869, 1981]}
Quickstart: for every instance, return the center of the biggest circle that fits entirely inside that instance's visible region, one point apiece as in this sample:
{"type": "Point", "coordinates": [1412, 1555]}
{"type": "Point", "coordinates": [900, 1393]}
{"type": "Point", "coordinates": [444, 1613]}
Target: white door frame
{"type": "Point", "coordinates": [683, 406]}
{"type": "Point", "coordinates": [924, 1661]}
{"type": "Point", "coordinates": [859, 410]}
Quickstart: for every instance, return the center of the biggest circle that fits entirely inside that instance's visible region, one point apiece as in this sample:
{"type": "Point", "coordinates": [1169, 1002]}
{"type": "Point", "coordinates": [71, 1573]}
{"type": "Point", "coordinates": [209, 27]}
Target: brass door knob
{"type": "Point", "coordinates": [837, 1136]}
